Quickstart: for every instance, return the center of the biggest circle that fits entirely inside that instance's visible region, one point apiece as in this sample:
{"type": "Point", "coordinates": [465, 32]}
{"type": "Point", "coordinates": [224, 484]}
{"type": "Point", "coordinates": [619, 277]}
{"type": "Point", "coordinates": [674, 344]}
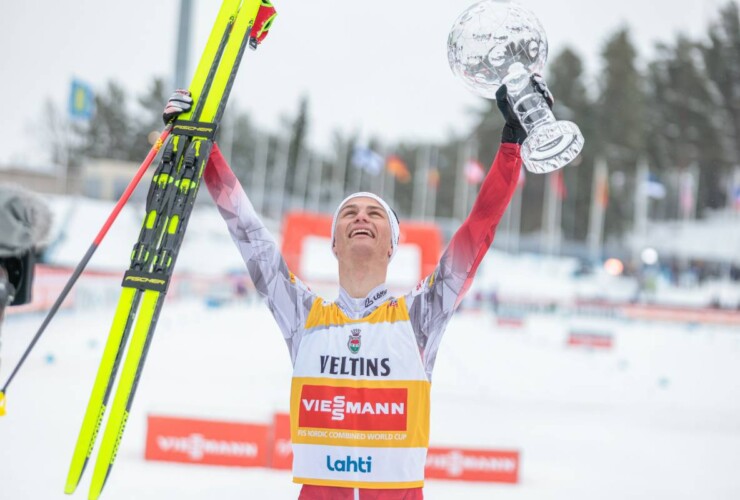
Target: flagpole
{"type": "Point", "coordinates": [340, 172]}
{"type": "Point", "coordinates": [560, 195]}
{"type": "Point", "coordinates": [391, 194]}
{"type": "Point", "coordinates": [569, 210]}
{"type": "Point", "coordinates": [433, 154]}
{"type": "Point", "coordinates": [641, 210]}
{"type": "Point", "coordinates": [279, 179]}
{"type": "Point", "coordinates": [597, 209]}
{"type": "Point", "coordinates": [735, 195]}
{"type": "Point", "coordinates": [259, 175]}
{"type": "Point", "coordinates": [460, 182]}
{"type": "Point", "coordinates": [381, 181]}
{"type": "Point", "coordinates": [301, 178]}
{"type": "Point", "coordinates": [694, 172]}
{"type": "Point", "coordinates": [548, 214]}
{"type": "Point", "coordinates": [317, 169]}
{"type": "Point", "coordinates": [358, 178]}
{"type": "Point", "coordinates": [418, 199]}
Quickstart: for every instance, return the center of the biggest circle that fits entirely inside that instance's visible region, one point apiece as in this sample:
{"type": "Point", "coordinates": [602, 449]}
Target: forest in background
{"type": "Point", "coordinates": [678, 112]}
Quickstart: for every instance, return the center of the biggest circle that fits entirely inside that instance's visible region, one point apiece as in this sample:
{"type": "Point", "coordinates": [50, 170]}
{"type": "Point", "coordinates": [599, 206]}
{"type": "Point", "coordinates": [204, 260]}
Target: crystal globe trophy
{"type": "Point", "coordinates": [498, 42]}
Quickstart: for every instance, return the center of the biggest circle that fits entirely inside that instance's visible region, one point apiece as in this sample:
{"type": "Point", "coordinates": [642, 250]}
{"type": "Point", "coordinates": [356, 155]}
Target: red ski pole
{"type": "Point", "coordinates": [88, 255]}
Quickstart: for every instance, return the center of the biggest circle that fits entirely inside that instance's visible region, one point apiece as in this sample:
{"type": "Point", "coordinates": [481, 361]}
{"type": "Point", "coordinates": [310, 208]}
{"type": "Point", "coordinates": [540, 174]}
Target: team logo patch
{"type": "Point", "coordinates": [355, 341]}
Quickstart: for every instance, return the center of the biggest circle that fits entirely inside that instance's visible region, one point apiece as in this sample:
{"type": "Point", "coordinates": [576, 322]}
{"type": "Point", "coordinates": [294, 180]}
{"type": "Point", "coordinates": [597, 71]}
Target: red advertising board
{"type": "Point", "coordinates": [598, 340]}
{"type": "Point", "coordinates": [248, 445]}
{"type": "Point", "coordinates": [282, 451]}
{"type": "Point", "coordinates": [206, 442]}
{"type": "Point", "coordinates": [472, 465]}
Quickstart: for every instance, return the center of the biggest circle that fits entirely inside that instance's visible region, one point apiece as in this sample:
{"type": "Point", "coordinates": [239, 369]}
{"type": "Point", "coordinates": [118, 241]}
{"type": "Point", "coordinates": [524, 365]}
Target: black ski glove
{"type": "Point", "coordinates": [180, 101]}
{"type": "Point", "coordinates": [513, 131]}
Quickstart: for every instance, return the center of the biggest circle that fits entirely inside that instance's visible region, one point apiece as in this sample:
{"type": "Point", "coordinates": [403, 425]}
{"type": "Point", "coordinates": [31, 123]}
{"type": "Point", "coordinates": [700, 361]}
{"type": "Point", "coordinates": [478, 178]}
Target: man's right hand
{"type": "Point", "coordinates": [179, 102]}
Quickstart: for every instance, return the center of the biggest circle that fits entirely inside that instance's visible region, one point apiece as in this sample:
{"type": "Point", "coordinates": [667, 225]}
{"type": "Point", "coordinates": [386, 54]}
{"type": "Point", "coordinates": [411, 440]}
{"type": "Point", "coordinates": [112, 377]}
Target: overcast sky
{"type": "Point", "coordinates": [376, 67]}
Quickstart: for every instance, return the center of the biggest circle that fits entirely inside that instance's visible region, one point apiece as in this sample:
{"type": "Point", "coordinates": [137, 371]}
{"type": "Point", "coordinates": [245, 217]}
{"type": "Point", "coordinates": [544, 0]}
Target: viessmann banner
{"type": "Point", "coordinates": [210, 442]}
{"type": "Point", "coordinates": [213, 442]}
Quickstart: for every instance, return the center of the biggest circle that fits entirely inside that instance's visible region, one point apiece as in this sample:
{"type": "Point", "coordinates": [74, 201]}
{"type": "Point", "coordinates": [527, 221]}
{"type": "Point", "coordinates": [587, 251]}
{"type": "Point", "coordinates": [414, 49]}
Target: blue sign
{"type": "Point", "coordinates": [81, 100]}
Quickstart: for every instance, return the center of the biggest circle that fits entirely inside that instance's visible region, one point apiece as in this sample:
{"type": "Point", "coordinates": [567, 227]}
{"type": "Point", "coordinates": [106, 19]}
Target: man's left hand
{"type": "Point", "coordinates": [513, 131]}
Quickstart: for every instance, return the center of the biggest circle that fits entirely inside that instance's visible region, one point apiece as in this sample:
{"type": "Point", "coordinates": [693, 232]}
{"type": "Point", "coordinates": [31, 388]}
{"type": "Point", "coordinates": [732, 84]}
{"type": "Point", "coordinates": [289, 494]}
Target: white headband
{"type": "Point", "coordinates": [392, 218]}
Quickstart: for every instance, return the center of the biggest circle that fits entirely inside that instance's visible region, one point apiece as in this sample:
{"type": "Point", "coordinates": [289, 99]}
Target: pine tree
{"type": "Point", "coordinates": [298, 128]}
{"type": "Point", "coordinates": [573, 102]}
{"type": "Point", "coordinates": [682, 129]}
{"type": "Point", "coordinates": [722, 60]}
{"type": "Point", "coordinates": [110, 132]}
{"type": "Point", "coordinates": [243, 145]}
{"type": "Point", "coordinates": [620, 115]}
{"type": "Point", "coordinates": [148, 117]}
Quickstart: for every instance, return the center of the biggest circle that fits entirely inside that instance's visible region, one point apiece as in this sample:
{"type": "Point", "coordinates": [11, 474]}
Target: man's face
{"type": "Point", "coordinates": [363, 230]}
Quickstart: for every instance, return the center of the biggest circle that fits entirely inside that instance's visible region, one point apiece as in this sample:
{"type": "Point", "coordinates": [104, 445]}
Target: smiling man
{"type": "Point", "coordinates": [362, 364]}
{"type": "Point", "coordinates": [364, 237]}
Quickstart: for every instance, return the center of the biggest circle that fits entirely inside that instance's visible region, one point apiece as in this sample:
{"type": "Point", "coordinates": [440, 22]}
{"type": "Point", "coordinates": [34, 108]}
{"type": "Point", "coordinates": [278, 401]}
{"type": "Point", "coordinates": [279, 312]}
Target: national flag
{"type": "Point", "coordinates": [398, 169]}
{"type": "Point", "coordinates": [367, 160]}
{"type": "Point", "coordinates": [433, 177]}
{"type": "Point", "coordinates": [81, 100]}
{"type": "Point", "coordinates": [474, 172]}
{"type": "Point", "coordinates": [558, 184]}
{"type": "Point", "coordinates": [686, 194]}
{"type": "Point", "coordinates": [602, 191]}
{"type": "Point", "coordinates": [654, 188]}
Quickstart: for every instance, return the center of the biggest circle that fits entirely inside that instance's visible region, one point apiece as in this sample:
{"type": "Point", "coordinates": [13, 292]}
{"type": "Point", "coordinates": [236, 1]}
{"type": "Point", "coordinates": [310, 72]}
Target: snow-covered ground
{"type": "Point", "coordinates": [655, 417]}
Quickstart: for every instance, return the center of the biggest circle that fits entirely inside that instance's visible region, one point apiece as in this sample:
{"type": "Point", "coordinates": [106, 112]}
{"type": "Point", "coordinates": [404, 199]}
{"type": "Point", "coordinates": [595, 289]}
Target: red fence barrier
{"type": "Point", "coordinates": [282, 451]}
{"type": "Point", "coordinates": [247, 445]}
{"type": "Point", "coordinates": [207, 442]}
{"type": "Point", "coordinates": [591, 339]}
{"type": "Point", "coordinates": [462, 464]}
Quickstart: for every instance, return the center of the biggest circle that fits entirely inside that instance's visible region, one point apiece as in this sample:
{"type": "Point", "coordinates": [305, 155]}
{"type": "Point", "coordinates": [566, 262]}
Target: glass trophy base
{"type": "Point", "coordinates": [551, 146]}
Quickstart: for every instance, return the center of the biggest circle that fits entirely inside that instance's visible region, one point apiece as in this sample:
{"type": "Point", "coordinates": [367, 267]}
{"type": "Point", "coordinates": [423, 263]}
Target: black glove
{"type": "Point", "coordinates": [513, 131]}
{"type": "Point", "coordinates": [180, 101]}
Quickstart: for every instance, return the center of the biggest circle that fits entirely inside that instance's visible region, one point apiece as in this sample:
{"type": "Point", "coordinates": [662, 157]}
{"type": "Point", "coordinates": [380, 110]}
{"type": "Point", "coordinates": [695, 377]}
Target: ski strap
{"type": "Point", "coordinates": [194, 129]}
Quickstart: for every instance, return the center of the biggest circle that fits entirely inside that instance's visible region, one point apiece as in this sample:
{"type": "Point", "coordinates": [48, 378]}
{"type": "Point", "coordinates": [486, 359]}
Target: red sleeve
{"type": "Point", "coordinates": [218, 173]}
{"type": "Point", "coordinates": [473, 239]}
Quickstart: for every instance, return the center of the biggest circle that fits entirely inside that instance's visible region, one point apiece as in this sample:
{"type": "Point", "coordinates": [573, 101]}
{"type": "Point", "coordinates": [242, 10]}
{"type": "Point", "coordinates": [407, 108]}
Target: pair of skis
{"type": "Point", "coordinates": [169, 203]}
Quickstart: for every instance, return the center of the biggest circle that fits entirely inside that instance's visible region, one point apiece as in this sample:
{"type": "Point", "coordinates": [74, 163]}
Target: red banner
{"type": "Point", "coordinates": [472, 465]}
{"type": "Point", "coordinates": [247, 445]}
{"type": "Point", "coordinates": [282, 451]}
{"type": "Point", "coordinates": [206, 442]}
{"type": "Point", "coordinates": [361, 409]}
{"type": "Point", "coordinates": [598, 340]}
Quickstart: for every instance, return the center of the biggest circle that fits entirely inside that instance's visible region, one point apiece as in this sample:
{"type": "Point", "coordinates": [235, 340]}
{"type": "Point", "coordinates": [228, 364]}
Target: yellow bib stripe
{"type": "Point", "coordinates": [390, 311]}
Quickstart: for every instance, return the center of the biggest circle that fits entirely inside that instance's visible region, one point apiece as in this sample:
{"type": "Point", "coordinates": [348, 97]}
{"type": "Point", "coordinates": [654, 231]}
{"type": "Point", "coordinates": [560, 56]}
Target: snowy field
{"type": "Point", "coordinates": [655, 417]}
